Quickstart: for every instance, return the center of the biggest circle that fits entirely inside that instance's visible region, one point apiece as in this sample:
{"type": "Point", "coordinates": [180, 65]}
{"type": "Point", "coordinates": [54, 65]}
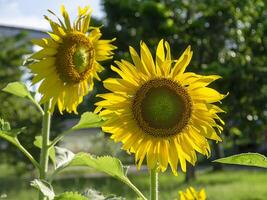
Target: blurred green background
{"type": "Point", "coordinates": [228, 38]}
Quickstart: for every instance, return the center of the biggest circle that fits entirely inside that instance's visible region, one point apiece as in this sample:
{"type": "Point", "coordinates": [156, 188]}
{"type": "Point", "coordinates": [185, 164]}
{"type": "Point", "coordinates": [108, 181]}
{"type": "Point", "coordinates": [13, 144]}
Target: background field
{"type": "Point", "coordinates": [232, 184]}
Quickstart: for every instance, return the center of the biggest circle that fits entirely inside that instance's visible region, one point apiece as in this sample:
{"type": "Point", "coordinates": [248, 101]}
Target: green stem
{"type": "Point", "coordinates": [135, 189]}
{"type": "Point", "coordinates": [154, 184]}
{"type": "Point", "coordinates": [44, 157]}
{"type": "Point", "coordinates": [27, 154]}
{"type": "Point", "coordinates": [59, 137]}
{"type": "Point", "coordinates": [38, 106]}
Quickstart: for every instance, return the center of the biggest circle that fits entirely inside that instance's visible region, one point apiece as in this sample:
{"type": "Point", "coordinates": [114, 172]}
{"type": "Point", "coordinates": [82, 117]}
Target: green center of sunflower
{"type": "Point", "coordinates": [161, 107]}
{"type": "Point", "coordinates": [80, 60]}
{"type": "Point", "coordinates": [75, 58]}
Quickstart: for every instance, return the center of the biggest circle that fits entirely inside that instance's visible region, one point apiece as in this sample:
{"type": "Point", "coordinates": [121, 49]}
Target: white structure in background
{"type": "Point", "coordinates": [11, 31]}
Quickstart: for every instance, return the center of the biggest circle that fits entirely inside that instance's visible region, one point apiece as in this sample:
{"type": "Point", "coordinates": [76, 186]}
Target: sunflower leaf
{"type": "Point", "coordinates": [71, 196]}
{"type": "Point", "coordinates": [247, 159]}
{"type": "Point", "coordinates": [44, 187]}
{"type": "Point", "coordinates": [96, 195]}
{"type": "Point", "coordinates": [20, 89]}
{"type": "Point", "coordinates": [63, 157]}
{"type": "Point", "coordinates": [88, 120]}
{"type": "Point", "coordinates": [106, 164]}
{"type": "Point", "coordinates": [9, 134]}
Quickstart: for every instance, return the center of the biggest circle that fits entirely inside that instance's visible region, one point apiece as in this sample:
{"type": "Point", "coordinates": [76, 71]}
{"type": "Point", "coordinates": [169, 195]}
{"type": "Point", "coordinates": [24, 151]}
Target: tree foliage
{"type": "Point", "coordinates": [18, 111]}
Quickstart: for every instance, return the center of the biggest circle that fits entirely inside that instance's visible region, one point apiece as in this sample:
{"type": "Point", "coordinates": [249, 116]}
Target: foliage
{"type": "Point", "coordinates": [88, 120]}
{"type": "Point", "coordinates": [70, 196]}
{"type": "Point", "coordinates": [45, 187]}
{"type": "Point", "coordinates": [96, 195]}
{"type": "Point", "coordinates": [18, 111]}
{"type": "Point", "coordinates": [48, 191]}
{"type": "Point", "coordinates": [246, 159]}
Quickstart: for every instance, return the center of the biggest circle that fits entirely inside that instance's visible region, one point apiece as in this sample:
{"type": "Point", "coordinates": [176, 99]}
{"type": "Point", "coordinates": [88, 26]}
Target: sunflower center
{"type": "Point", "coordinates": [162, 107]}
{"type": "Point", "coordinates": [80, 60]}
{"type": "Point", "coordinates": [75, 58]}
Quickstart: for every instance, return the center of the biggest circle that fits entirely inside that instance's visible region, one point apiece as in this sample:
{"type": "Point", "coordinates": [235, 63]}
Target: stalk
{"type": "Point", "coordinates": [44, 157]}
{"type": "Point", "coordinates": [154, 184]}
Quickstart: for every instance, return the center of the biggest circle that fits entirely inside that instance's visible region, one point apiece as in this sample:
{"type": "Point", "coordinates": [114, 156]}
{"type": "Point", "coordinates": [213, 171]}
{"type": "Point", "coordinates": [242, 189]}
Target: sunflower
{"type": "Point", "coordinates": [159, 111]}
{"type": "Point", "coordinates": [69, 60]}
{"type": "Point", "coordinates": [192, 194]}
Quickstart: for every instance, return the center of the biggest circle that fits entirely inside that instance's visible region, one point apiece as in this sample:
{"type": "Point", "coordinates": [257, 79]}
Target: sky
{"type": "Point", "coordinates": [29, 13]}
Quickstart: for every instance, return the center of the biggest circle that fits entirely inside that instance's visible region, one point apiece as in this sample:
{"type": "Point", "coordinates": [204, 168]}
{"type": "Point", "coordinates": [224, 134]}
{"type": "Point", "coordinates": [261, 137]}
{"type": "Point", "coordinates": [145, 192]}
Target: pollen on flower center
{"type": "Point", "coordinates": [75, 58]}
{"type": "Point", "coordinates": [161, 107]}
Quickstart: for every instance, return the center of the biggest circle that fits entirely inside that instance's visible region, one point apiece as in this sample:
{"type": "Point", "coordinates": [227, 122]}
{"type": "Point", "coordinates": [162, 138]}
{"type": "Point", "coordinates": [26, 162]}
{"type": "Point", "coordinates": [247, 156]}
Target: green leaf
{"type": "Point", "coordinates": [63, 157]}
{"type": "Point", "coordinates": [247, 159]}
{"type": "Point", "coordinates": [45, 187]}
{"type": "Point", "coordinates": [5, 126]}
{"type": "Point", "coordinates": [96, 195]}
{"type": "Point", "coordinates": [71, 196]}
{"type": "Point", "coordinates": [235, 131]}
{"type": "Point", "coordinates": [88, 120]}
{"type": "Point", "coordinates": [8, 134]}
{"type": "Point", "coordinates": [106, 164]}
{"type": "Point", "coordinates": [18, 89]}
{"type": "Point", "coordinates": [6, 129]}
{"type": "Point", "coordinates": [21, 90]}
{"type": "Point", "coordinates": [52, 153]}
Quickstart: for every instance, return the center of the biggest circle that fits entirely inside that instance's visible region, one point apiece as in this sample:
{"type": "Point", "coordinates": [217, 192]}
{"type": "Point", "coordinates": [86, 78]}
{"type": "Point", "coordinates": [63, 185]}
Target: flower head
{"type": "Point", "coordinates": [69, 60]}
{"type": "Point", "coordinates": [160, 112]}
{"type": "Point", "coordinates": [192, 194]}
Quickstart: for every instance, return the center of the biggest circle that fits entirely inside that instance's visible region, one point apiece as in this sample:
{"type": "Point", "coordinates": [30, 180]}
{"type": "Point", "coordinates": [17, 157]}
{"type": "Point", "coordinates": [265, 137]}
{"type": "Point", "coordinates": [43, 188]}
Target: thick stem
{"type": "Point", "coordinates": [44, 157]}
{"type": "Point", "coordinates": [154, 184]}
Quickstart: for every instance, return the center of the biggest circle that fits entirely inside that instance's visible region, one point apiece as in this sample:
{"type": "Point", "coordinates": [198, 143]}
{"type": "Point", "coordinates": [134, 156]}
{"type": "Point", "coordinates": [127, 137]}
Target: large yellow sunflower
{"type": "Point", "coordinates": [159, 111]}
{"type": "Point", "coordinates": [69, 60]}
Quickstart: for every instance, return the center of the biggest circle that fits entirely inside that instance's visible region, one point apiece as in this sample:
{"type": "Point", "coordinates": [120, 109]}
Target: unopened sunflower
{"type": "Point", "coordinates": [69, 60]}
{"type": "Point", "coordinates": [192, 194]}
{"type": "Point", "coordinates": [159, 111]}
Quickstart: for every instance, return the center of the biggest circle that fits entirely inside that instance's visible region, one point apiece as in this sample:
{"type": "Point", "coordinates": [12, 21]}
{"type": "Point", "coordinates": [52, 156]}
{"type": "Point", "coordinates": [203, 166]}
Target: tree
{"type": "Point", "coordinates": [18, 111]}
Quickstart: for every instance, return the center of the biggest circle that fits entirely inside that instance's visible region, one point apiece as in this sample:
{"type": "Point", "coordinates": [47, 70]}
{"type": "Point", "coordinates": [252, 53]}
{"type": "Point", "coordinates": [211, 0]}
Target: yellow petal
{"type": "Point", "coordinates": [66, 17]}
{"type": "Point", "coordinates": [160, 54]}
{"type": "Point", "coordinates": [182, 62]}
{"type": "Point", "coordinates": [207, 94]}
{"type": "Point", "coordinates": [147, 59]}
{"type": "Point", "coordinates": [137, 61]}
{"type": "Point", "coordinates": [45, 52]}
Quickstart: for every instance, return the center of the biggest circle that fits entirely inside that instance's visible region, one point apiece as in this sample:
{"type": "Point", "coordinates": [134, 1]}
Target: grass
{"type": "Point", "coordinates": [234, 184]}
